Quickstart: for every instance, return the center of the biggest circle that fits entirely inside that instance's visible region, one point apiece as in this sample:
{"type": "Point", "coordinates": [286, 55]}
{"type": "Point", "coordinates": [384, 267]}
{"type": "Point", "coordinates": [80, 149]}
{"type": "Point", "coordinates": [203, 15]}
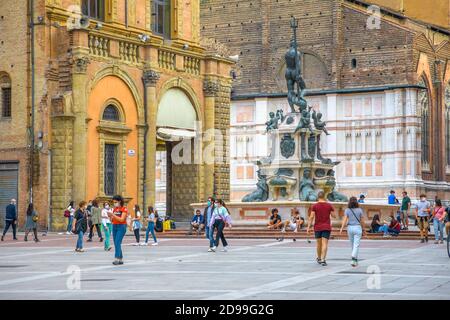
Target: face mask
{"type": "Point", "coordinates": [107, 206]}
{"type": "Point", "coordinates": [116, 205]}
{"type": "Point", "coordinates": [209, 203]}
{"type": "Point", "coordinates": [215, 205]}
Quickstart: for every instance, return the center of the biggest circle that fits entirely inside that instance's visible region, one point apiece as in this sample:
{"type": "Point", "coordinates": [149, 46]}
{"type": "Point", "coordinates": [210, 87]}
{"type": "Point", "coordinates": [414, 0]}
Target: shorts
{"type": "Point", "coordinates": [404, 214]}
{"type": "Point", "coordinates": [292, 226]}
{"type": "Point", "coordinates": [422, 223]}
{"type": "Point", "coordinates": [322, 234]}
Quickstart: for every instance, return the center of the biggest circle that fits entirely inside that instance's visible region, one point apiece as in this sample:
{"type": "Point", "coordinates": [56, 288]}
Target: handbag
{"type": "Point", "coordinates": [35, 218]}
{"type": "Point", "coordinates": [66, 213]}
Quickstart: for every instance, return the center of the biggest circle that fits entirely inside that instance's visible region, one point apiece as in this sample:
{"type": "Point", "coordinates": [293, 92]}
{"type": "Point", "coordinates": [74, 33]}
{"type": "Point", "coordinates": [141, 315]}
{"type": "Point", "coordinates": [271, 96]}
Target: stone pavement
{"type": "Point", "coordinates": [252, 269]}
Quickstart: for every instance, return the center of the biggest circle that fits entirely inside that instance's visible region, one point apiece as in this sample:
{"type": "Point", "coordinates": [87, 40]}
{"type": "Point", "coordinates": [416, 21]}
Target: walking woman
{"type": "Point", "coordinates": [219, 219]}
{"type": "Point", "coordinates": [151, 219]}
{"type": "Point", "coordinates": [106, 226]}
{"type": "Point", "coordinates": [119, 221]}
{"type": "Point", "coordinates": [81, 224]}
{"type": "Point", "coordinates": [136, 225]}
{"type": "Point", "coordinates": [96, 221]}
{"type": "Point", "coordinates": [71, 213]}
{"type": "Point", "coordinates": [438, 221]}
{"type": "Point", "coordinates": [354, 220]}
{"type": "Point", "coordinates": [31, 223]}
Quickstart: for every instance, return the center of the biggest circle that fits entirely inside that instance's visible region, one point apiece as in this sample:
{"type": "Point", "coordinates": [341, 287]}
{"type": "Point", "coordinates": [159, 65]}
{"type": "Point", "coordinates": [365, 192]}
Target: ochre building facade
{"type": "Point", "coordinates": [114, 81]}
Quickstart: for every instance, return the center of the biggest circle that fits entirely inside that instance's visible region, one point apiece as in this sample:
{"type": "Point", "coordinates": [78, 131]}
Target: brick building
{"type": "Point", "coordinates": [112, 82]}
{"type": "Point", "coordinates": [380, 76]}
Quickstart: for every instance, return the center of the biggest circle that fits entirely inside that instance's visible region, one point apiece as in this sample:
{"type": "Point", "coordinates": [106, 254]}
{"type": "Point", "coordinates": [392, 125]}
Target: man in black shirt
{"type": "Point", "coordinates": [275, 220]}
{"type": "Point", "coordinates": [11, 219]}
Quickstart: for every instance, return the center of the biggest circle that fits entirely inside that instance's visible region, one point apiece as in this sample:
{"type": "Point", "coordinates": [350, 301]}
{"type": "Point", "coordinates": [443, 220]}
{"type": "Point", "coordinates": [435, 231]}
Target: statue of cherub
{"type": "Point", "coordinates": [280, 115]}
{"type": "Point", "coordinates": [305, 120]}
{"type": "Point", "coordinates": [320, 125]}
{"type": "Point", "coordinates": [272, 123]}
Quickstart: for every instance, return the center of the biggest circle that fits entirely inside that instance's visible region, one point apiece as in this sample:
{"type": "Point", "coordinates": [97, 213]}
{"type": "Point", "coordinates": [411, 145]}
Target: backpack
{"type": "Point", "coordinates": [159, 225]}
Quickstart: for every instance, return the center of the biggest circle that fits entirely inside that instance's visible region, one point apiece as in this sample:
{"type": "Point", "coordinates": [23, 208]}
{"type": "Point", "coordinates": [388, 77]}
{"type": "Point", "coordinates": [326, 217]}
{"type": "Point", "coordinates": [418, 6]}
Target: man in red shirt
{"type": "Point", "coordinates": [320, 217]}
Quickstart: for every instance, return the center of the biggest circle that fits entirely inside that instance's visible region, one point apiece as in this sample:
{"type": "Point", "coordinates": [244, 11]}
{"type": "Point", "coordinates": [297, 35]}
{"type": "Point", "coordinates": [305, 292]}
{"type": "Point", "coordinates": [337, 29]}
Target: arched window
{"type": "Point", "coordinates": [5, 95]}
{"type": "Point", "coordinates": [423, 102]}
{"type": "Point", "coordinates": [447, 123]}
{"type": "Point", "coordinates": [111, 113]}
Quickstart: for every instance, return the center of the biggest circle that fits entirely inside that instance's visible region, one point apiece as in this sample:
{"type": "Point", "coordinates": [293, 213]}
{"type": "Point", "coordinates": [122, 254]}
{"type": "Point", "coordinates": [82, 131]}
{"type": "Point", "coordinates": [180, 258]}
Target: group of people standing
{"type": "Point", "coordinates": [108, 221]}
{"type": "Point", "coordinates": [11, 220]}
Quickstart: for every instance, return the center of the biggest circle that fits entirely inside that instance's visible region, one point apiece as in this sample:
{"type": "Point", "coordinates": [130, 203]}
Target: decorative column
{"type": "Point", "coordinates": [150, 78]}
{"type": "Point", "coordinates": [210, 89]}
{"type": "Point", "coordinates": [80, 62]}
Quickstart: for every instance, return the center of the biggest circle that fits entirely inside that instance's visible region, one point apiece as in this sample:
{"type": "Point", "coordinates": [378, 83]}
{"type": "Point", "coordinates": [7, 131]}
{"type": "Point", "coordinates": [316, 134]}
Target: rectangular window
{"type": "Point", "coordinates": [161, 17]}
{"type": "Point", "coordinates": [94, 9]}
{"type": "Point", "coordinates": [6, 102]}
{"type": "Point", "coordinates": [110, 169]}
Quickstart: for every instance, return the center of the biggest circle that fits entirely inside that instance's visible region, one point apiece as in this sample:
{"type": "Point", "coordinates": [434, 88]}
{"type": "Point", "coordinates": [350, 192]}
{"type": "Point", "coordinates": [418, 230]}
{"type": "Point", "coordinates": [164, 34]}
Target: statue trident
{"type": "Point", "coordinates": [295, 83]}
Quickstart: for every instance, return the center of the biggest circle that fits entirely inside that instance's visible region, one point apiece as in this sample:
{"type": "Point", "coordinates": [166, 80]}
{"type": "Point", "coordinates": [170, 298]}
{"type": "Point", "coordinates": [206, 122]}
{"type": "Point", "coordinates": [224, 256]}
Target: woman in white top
{"type": "Point", "coordinates": [106, 225]}
{"type": "Point", "coordinates": [71, 210]}
{"type": "Point", "coordinates": [136, 224]}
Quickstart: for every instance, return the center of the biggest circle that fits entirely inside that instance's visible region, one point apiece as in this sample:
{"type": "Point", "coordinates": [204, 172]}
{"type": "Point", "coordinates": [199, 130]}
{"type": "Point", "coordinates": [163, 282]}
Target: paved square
{"type": "Point", "coordinates": [251, 269]}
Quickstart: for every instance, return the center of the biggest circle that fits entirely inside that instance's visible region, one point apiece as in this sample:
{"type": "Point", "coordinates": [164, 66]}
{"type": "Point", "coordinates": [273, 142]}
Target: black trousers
{"type": "Point", "coordinates": [137, 235]}
{"type": "Point", "coordinates": [91, 231]}
{"type": "Point", "coordinates": [14, 227]}
{"type": "Point", "coordinates": [34, 232]}
{"type": "Point", "coordinates": [220, 225]}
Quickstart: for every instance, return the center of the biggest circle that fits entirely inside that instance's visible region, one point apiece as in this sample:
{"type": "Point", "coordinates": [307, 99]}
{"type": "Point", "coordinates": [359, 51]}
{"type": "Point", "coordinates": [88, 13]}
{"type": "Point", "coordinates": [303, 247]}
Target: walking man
{"type": "Point", "coordinates": [406, 206]}
{"type": "Point", "coordinates": [11, 219]}
{"type": "Point", "coordinates": [207, 213]}
{"type": "Point", "coordinates": [422, 217]}
{"type": "Point", "coordinates": [320, 217]}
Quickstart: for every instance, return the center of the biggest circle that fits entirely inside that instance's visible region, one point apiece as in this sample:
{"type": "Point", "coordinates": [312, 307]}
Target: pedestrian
{"type": "Point", "coordinates": [354, 220]}
{"type": "Point", "coordinates": [422, 217]}
{"type": "Point", "coordinates": [136, 224]}
{"type": "Point", "coordinates": [81, 225]}
{"type": "Point", "coordinates": [70, 213]}
{"type": "Point", "coordinates": [405, 208]}
{"type": "Point", "coordinates": [220, 218]}
{"type": "Point", "coordinates": [119, 221]}
{"type": "Point", "coordinates": [438, 221]}
{"type": "Point", "coordinates": [106, 226]}
{"type": "Point", "coordinates": [320, 217]}
{"type": "Point", "coordinates": [96, 221]}
{"type": "Point", "coordinates": [151, 220]}
{"type": "Point", "coordinates": [391, 198]}
{"type": "Point", "coordinates": [31, 223]}
{"type": "Point", "coordinates": [207, 213]}
{"type": "Point", "coordinates": [361, 198]}
{"type": "Point", "coordinates": [11, 219]}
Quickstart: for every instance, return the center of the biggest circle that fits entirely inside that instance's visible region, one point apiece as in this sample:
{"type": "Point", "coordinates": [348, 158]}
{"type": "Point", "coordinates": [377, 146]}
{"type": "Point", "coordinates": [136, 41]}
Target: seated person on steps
{"type": "Point", "coordinates": [275, 220]}
{"type": "Point", "coordinates": [197, 223]}
{"type": "Point", "coordinates": [393, 229]}
{"type": "Point", "coordinates": [295, 223]}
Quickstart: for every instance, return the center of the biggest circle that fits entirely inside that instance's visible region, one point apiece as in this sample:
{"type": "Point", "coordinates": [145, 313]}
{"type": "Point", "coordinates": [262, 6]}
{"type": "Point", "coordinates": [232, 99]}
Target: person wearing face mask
{"type": "Point", "coordinates": [219, 219]}
{"type": "Point", "coordinates": [80, 224]}
{"type": "Point", "coordinates": [119, 228]}
{"type": "Point", "coordinates": [106, 226]}
{"type": "Point", "coordinates": [422, 217]}
{"type": "Point", "coordinates": [11, 219]}
{"type": "Point", "coordinates": [207, 213]}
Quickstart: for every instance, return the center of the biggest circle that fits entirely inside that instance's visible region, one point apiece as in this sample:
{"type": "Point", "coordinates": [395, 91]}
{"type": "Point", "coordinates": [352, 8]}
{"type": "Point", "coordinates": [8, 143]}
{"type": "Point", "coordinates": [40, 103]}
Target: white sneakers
{"type": "Point", "coordinates": [144, 244]}
{"type": "Point", "coordinates": [155, 244]}
{"type": "Point", "coordinates": [224, 249]}
{"type": "Point", "coordinates": [213, 249]}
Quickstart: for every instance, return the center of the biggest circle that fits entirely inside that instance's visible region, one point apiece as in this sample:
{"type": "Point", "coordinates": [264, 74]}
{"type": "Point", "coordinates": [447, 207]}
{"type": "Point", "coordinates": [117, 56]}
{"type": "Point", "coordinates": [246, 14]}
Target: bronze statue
{"type": "Point", "coordinates": [272, 124]}
{"type": "Point", "coordinates": [320, 125]}
{"type": "Point", "coordinates": [262, 190]}
{"type": "Point", "coordinates": [295, 83]}
{"type": "Point", "coordinates": [306, 188]}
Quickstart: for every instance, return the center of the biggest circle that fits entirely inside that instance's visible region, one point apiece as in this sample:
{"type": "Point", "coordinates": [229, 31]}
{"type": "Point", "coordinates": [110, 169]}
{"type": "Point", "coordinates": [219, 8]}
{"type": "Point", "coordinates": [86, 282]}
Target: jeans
{"type": "Point", "coordinates": [14, 227]}
{"type": "Point", "coordinates": [387, 230]}
{"type": "Point", "coordinates": [354, 235]}
{"type": "Point", "coordinates": [137, 235]}
{"type": "Point", "coordinates": [69, 224]}
{"type": "Point", "coordinates": [80, 240]}
{"type": "Point", "coordinates": [150, 228]}
{"type": "Point", "coordinates": [438, 227]}
{"type": "Point", "coordinates": [107, 231]}
{"type": "Point", "coordinates": [220, 225]}
{"type": "Point", "coordinates": [207, 231]}
{"type": "Point", "coordinates": [119, 231]}
{"type": "Point", "coordinates": [91, 231]}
